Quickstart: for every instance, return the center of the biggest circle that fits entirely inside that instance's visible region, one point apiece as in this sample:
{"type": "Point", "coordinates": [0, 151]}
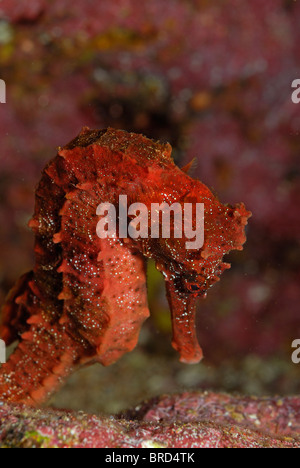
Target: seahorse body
{"type": "Point", "coordinates": [86, 299]}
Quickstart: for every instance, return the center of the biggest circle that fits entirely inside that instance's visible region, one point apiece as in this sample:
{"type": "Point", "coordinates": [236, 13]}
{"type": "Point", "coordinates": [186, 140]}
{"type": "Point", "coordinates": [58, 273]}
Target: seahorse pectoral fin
{"type": "Point", "coordinates": [183, 311]}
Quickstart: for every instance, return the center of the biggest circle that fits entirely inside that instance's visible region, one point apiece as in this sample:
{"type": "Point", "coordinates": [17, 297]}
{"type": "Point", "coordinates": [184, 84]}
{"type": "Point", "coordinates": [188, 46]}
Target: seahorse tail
{"type": "Point", "coordinates": [44, 357]}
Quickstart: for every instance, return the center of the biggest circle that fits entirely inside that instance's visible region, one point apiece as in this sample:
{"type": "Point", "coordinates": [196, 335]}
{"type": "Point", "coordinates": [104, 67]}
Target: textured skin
{"type": "Point", "coordinates": [86, 299]}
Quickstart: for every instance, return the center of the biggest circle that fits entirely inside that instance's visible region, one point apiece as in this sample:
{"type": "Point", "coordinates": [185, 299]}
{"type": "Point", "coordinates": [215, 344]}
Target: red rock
{"type": "Point", "coordinates": [180, 421]}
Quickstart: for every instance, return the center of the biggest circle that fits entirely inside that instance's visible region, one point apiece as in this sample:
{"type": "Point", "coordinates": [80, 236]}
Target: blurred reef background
{"type": "Point", "coordinates": [214, 79]}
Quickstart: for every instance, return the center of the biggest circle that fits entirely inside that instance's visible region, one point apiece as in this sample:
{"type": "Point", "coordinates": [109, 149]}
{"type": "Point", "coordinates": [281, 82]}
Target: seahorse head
{"type": "Point", "coordinates": [203, 230]}
{"type": "Point", "coordinates": [190, 230]}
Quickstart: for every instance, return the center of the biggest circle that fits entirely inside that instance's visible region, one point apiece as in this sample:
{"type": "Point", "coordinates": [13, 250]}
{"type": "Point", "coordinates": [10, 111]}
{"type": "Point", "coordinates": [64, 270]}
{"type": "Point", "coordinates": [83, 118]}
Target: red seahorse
{"type": "Point", "coordinates": [86, 299]}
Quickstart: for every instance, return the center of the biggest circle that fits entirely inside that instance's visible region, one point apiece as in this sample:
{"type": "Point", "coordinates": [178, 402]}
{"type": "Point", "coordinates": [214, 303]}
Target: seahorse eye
{"type": "Point", "coordinates": [193, 287]}
{"type": "Point", "coordinates": [193, 284]}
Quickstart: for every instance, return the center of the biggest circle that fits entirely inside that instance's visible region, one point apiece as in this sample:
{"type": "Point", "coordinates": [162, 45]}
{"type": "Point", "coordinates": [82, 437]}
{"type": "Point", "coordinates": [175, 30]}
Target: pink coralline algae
{"type": "Point", "coordinates": [214, 79]}
{"type": "Point", "coordinates": [180, 421]}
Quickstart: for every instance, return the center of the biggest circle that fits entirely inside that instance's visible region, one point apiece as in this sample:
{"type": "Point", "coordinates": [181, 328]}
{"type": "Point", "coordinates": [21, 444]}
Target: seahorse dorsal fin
{"type": "Point", "coordinates": [190, 166]}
